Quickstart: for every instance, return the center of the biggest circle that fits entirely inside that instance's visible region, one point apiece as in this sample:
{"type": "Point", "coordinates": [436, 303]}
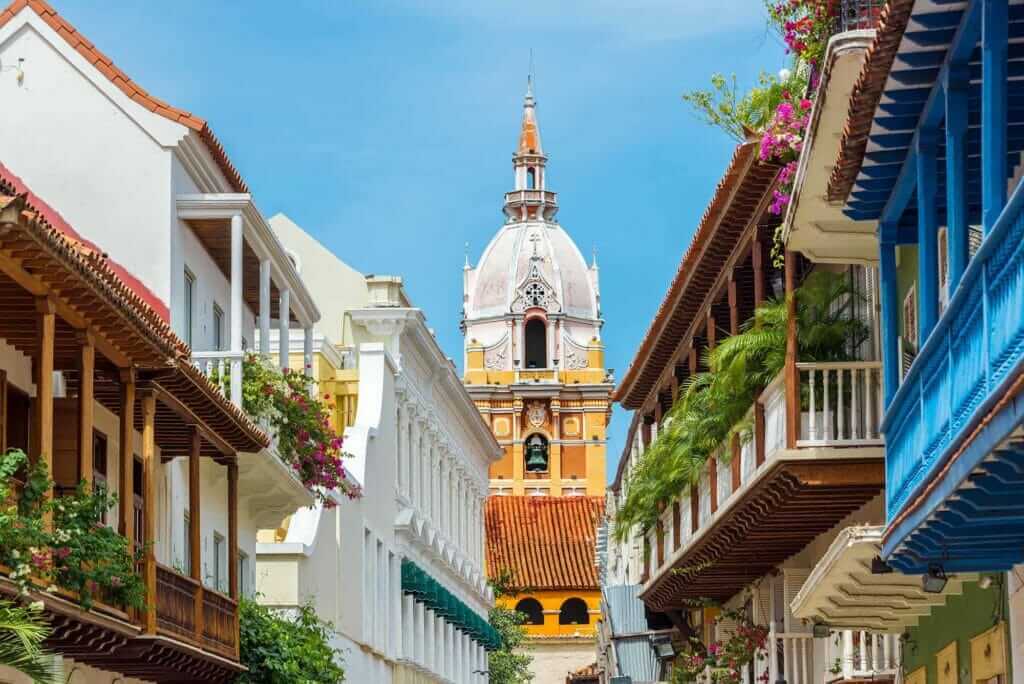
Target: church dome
{"type": "Point", "coordinates": [532, 264]}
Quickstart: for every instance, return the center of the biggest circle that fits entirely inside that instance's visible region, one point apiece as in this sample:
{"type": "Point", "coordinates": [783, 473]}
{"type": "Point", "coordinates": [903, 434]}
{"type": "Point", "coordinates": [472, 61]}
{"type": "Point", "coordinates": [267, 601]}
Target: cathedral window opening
{"type": "Point", "coordinates": [574, 612]}
{"type": "Point", "coordinates": [536, 344]}
{"type": "Point", "coordinates": [531, 178]}
{"type": "Point", "coordinates": [531, 610]}
{"type": "Point", "coordinates": [536, 294]}
{"type": "Point", "coordinates": [536, 454]}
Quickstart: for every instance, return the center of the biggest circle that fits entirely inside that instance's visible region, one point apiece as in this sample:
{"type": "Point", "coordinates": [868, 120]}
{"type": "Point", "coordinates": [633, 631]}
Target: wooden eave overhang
{"type": "Point", "coordinates": [39, 261]}
{"type": "Point", "coordinates": [738, 201]}
{"type": "Point", "coordinates": [105, 637]}
{"type": "Point", "coordinates": [866, 94]}
{"type": "Point", "coordinates": [796, 500]}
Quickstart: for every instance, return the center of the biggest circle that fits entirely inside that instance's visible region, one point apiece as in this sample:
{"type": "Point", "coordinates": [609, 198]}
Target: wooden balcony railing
{"type": "Point", "coordinates": [790, 657]}
{"type": "Point", "coordinates": [220, 623]}
{"type": "Point", "coordinates": [217, 365]}
{"type": "Point", "coordinates": [970, 359]}
{"type": "Point", "coordinates": [842, 407]}
{"type": "Point", "coordinates": [843, 404]}
{"type": "Point", "coordinates": [176, 600]}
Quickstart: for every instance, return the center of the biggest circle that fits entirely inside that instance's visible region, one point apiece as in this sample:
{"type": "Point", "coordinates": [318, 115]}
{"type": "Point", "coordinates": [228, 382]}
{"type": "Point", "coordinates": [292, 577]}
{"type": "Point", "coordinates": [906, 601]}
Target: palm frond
{"type": "Point", "coordinates": [22, 633]}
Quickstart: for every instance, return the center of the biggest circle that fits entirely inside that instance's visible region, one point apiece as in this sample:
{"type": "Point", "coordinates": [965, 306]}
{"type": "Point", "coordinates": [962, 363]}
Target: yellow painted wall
{"type": "Point", "coordinates": [551, 602]}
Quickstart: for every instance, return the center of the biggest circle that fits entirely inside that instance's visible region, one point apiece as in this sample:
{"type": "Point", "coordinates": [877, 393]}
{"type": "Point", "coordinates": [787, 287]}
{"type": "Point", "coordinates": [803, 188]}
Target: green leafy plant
{"type": "Point", "coordinates": [509, 664]}
{"type": "Point", "coordinates": [76, 551]}
{"type": "Point", "coordinates": [286, 650]}
{"type": "Point", "coordinates": [22, 633]}
{"type": "Point", "coordinates": [301, 420]}
{"type": "Point", "coordinates": [722, 661]}
{"type": "Point", "coordinates": [713, 405]}
{"type": "Point", "coordinates": [742, 115]}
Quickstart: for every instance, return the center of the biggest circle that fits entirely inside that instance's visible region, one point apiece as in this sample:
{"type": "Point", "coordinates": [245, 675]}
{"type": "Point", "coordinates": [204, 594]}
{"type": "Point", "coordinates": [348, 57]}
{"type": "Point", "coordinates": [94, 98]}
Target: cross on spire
{"type": "Point", "coordinates": [534, 239]}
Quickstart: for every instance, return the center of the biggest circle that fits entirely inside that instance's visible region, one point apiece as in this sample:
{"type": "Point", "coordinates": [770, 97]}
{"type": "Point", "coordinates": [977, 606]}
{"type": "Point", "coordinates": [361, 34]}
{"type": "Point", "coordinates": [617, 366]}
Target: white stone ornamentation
{"type": "Point", "coordinates": [536, 413]}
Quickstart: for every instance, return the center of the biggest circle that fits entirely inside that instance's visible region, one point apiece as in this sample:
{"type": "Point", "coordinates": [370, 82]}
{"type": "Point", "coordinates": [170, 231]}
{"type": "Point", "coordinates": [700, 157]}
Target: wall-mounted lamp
{"type": "Point", "coordinates": [934, 581]}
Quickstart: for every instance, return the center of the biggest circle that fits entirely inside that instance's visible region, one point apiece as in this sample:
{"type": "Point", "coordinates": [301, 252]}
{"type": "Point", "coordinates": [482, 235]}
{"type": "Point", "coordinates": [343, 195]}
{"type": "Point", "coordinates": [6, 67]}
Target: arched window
{"type": "Point", "coordinates": [574, 612]}
{"type": "Point", "coordinates": [531, 609]}
{"type": "Point", "coordinates": [536, 344]}
{"type": "Point", "coordinates": [531, 178]}
{"type": "Point", "coordinates": [536, 454]}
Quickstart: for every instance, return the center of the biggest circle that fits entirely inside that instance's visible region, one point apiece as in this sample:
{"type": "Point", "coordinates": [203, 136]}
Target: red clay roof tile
{"type": "Point", "coordinates": [547, 542]}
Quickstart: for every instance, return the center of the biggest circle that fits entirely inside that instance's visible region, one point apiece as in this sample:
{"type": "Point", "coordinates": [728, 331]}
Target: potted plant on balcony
{"type": "Point", "coordinates": [54, 544]}
{"type": "Point", "coordinates": [301, 420]}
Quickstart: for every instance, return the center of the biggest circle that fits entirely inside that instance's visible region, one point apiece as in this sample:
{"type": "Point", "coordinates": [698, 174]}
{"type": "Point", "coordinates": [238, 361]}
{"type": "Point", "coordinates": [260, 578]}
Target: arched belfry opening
{"type": "Point", "coordinates": [536, 344]}
{"type": "Point", "coordinates": [536, 454]}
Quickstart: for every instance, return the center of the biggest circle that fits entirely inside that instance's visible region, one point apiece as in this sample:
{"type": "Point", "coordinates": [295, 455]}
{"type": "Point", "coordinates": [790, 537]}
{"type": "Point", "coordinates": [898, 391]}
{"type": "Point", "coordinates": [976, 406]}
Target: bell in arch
{"type": "Point", "coordinates": [536, 454]}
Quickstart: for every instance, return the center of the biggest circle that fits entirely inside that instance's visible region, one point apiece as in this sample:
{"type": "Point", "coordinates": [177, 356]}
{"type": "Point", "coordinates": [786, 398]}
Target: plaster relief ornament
{"type": "Point", "coordinates": [575, 360]}
{"type": "Point", "coordinates": [536, 413]}
{"type": "Point", "coordinates": [494, 358]}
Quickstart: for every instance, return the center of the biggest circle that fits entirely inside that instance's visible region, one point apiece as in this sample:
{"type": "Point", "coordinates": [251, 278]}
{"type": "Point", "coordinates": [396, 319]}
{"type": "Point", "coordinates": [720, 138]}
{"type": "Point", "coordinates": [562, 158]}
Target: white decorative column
{"type": "Point", "coordinates": [283, 327]}
{"type": "Point", "coordinates": [428, 456]}
{"type": "Point", "coordinates": [414, 453]}
{"type": "Point", "coordinates": [236, 308]}
{"type": "Point", "coordinates": [401, 448]}
{"type": "Point", "coordinates": [408, 627]}
{"type": "Point", "coordinates": [436, 484]}
{"type": "Point", "coordinates": [395, 605]}
{"type": "Point", "coordinates": [265, 307]}
{"type": "Point", "coordinates": [445, 501]}
{"type": "Point", "coordinates": [307, 350]}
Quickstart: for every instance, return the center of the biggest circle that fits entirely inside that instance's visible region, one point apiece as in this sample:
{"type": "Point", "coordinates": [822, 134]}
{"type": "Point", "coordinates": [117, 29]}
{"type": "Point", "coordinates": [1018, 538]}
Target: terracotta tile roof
{"type": "Point", "coordinates": [127, 85]}
{"type": "Point", "coordinates": [865, 96]}
{"type": "Point", "coordinates": [547, 542]}
{"type": "Point", "coordinates": [104, 286]}
{"type": "Point", "coordinates": [746, 183]}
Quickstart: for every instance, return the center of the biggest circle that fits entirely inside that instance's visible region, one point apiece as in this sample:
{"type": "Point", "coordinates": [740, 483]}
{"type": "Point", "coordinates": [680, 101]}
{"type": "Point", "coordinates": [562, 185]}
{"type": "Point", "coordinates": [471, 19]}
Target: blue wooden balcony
{"type": "Point", "coordinates": [943, 153]}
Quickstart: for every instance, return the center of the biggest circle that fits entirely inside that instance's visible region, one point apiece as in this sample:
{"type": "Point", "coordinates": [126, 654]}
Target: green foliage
{"type": "Point", "coordinates": [22, 632]}
{"type": "Point", "coordinates": [77, 552]}
{"type": "Point", "coordinates": [713, 405]}
{"type": "Point", "coordinates": [741, 115]}
{"type": "Point", "coordinates": [508, 664]}
{"type": "Point", "coordinates": [301, 420]}
{"type": "Point", "coordinates": [722, 662]}
{"type": "Point", "coordinates": [279, 650]}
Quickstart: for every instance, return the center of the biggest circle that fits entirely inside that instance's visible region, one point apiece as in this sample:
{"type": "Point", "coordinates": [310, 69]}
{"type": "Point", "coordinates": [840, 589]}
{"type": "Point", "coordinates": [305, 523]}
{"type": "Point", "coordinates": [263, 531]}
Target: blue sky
{"type": "Point", "coordinates": [386, 127]}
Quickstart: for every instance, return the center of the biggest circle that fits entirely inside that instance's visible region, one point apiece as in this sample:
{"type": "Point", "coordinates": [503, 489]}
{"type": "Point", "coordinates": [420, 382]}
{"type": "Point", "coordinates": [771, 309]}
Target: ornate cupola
{"type": "Point", "coordinates": [530, 200]}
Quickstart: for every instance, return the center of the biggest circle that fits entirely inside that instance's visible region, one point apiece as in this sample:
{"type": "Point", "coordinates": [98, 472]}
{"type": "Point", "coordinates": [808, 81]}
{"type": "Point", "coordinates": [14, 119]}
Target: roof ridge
{"type": "Point", "coordinates": [133, 90]}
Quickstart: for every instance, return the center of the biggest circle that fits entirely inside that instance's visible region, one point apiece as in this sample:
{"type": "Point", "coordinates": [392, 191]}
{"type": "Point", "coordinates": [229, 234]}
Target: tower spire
{"type": "Point", "coordinates": [529, 136]}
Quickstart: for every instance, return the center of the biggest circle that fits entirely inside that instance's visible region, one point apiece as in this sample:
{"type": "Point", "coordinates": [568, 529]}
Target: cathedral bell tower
{"type": "Point", "coordinates": [534, 361]}
{"type": "Point", "coordinates": [534, 366]}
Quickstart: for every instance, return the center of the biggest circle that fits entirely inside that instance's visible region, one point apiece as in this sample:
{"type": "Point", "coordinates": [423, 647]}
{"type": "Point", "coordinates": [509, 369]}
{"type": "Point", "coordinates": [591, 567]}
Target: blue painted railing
{"type": "Point", "coordinates": [974, 350]}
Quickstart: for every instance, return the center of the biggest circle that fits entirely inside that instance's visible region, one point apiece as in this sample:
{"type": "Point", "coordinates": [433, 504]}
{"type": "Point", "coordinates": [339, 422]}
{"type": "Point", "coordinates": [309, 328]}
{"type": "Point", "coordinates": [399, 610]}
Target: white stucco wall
{"type": "Point", "coordinates": [554, 659]}
{"type": "Point", "coordinates": [114, 181]}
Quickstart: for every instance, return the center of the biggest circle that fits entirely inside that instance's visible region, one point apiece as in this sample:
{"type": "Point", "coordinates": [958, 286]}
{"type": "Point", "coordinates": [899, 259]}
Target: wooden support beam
{"type": "Point", "coordinates": [736, 465]}
{"type": "Point", "coordinates": [42, 414]}
{"type": "Point", "coordinates": [734, 309]}
{"type": "Point", "coordinates": [195, 543]}
{"type": "Point", "coordinates": [149, 465]}
{"type": "Point", "coordinates": [758, 433]}
{"type": "Point", "coordinates": [712, 466]}
{"type": "Point", "coordinates": [710, 330]}
{"type": "Point", "coordinates": [791, 376]}
{"type": "Point", "coordinates": [126, 439]}
{"type": "Point", "coordinates": [86, 384]}
{"type": "Point", "coordinates": [757, 261]}
{"type": "Point", "coordinates": [3, 411]}
{"type": "Point", "coordinates": [694, 509]}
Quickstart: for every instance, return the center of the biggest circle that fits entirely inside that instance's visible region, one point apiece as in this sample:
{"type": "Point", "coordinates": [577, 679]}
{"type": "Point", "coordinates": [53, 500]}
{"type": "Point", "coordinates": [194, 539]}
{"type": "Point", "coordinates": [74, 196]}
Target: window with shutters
{"type": "Point", "coordinates": [910, 319]}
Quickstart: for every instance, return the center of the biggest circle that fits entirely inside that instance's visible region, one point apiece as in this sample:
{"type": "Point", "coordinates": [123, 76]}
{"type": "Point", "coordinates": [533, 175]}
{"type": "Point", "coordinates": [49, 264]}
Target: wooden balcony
{"type": "Point", "coordinates": [762, 500]}
{"type": "Point", "coordinates": [955, 452]}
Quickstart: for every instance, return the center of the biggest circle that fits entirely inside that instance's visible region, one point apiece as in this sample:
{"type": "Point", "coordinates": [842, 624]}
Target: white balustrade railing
{"type": "Point", "coordinates": [843, 403]}
{"type": "Point", "coordinates": [794, 653]}
{"type": "Point", "coordinates": [218, 367]}
{"type": "Point", "coordinates": [860, 654]}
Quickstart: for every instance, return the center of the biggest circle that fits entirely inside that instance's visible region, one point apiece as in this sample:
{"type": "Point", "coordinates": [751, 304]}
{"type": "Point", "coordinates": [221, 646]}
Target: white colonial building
{"type": "Point", "coordinates": [400, 571]}
{"type": "Point", "coordinates": [151, 186]}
